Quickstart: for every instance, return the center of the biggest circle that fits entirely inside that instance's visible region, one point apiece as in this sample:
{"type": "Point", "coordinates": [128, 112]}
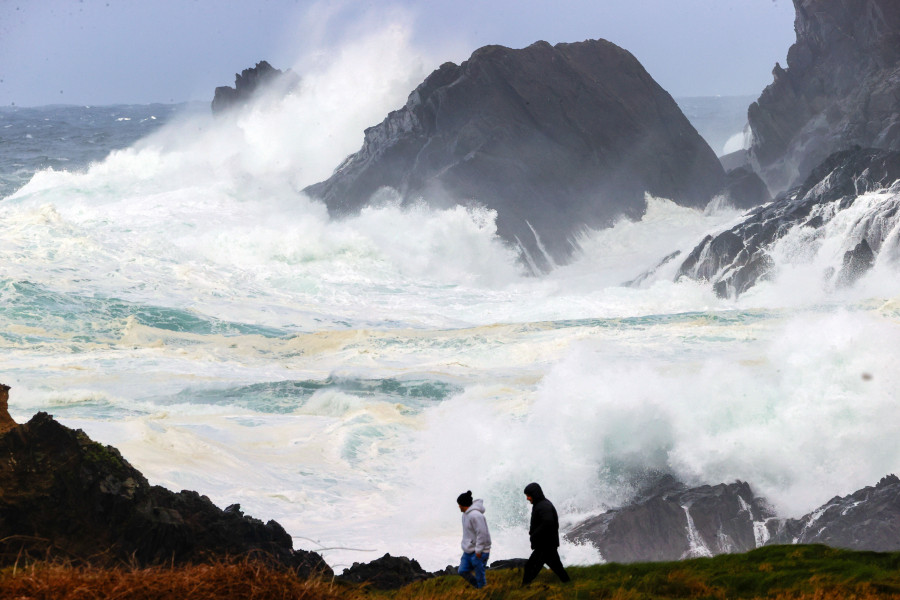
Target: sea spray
{"type": "Point", "coordinates": [183, 302]}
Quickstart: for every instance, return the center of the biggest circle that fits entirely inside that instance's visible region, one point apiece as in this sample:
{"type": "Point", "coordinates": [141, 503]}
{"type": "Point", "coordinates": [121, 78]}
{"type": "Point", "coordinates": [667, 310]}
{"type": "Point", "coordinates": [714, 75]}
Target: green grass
{"type": "Point", "coordinates": [778, 573]}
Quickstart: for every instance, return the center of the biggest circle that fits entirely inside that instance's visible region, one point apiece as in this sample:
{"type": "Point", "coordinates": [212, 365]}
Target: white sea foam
{"type": "Point", "coordinates": [159, 300]}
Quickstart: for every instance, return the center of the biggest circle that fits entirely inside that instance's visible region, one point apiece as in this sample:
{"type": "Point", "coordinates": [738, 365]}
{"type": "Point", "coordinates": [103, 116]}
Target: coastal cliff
{"type": "Point", "coordinates": [65, 496]}
{"type": "Point", "coordinates": [554, 138]}
{"type": "Point", "coordinates": [841, 88]}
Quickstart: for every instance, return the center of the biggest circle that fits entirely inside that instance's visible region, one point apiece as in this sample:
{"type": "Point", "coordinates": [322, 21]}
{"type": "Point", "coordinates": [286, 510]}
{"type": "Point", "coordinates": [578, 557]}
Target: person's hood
{"type": "Point", "coordinates": [535, 491]}
{"type": "Point", "coordinates": [477, 505]}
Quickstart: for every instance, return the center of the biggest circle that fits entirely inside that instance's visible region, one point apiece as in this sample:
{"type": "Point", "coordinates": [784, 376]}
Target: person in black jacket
{"type": "Point", "coordinates": [544, 534]}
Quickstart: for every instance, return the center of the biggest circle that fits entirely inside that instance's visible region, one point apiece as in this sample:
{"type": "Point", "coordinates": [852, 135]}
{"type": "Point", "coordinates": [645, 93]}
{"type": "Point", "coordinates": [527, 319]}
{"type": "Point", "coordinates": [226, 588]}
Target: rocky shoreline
{"type": "Point", "coordinates": [64, 496]}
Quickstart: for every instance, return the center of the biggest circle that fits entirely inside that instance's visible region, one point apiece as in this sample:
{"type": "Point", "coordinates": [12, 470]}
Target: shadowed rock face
{"type": "Point", "coordinates": [841, 88]}
{"type": "Point", "coordinates": [868, 519]}
{"type": "Point", "coordinates": [63, 495]}
{"type": "Point", "coordinates": [672, 522]}
{"type": "Point", "coordinates": [736, 259]}
{"type": "Point", "coordinates": [6, 421]}
{"type": "Point", "coordinates": [554, 138]}
{"type": "Point", "coordinates": [386, 573]}
{"type": "Point", "coordinates": [248, 81]}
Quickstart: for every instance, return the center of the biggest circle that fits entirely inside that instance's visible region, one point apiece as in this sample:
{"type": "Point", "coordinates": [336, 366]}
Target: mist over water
{"type": "Point", "coordinates": [181, 300]}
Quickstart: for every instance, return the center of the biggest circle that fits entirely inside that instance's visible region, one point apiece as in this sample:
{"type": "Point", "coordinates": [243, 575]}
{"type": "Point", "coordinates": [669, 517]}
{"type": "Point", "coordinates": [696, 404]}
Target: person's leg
{"type": "Point", "coordinates": [466, 567]}
{"type": "Point", "coordinates": [533, 566]}
{"type": "Point", "coordinates": [555, 564]}
{"type": "Point", "coordinates": [480, 564]}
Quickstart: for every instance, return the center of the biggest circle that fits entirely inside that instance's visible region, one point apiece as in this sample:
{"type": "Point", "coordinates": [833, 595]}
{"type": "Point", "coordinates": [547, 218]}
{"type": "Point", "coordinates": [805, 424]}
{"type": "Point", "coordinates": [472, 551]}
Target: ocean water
{"type": "Point", "coordinates": [165, 287]}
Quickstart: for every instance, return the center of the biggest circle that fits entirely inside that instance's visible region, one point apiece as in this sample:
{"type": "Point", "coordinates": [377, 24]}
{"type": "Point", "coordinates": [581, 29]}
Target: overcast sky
{"type": "Point", "coordinates": [143, 51]}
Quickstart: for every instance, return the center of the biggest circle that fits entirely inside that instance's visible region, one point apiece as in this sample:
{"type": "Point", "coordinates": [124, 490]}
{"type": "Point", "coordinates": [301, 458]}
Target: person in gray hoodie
{"type": "Point", "coordinates": [476, 540]}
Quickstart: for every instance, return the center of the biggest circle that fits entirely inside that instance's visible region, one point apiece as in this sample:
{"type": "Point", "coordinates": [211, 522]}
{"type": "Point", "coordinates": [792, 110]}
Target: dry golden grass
{"type": "Point", "coordinates": [236, 580]}
{"type": "Point", "coordinates": [772, 573]}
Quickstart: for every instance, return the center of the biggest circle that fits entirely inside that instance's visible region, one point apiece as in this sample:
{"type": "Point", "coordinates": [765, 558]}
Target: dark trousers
{"type": "Point", "coordinates": [540, 557]}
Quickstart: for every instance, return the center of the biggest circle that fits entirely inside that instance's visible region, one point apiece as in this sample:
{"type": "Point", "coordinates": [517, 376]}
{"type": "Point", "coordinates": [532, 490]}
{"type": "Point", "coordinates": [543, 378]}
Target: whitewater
{"type": "Point", "coordinates": [180, 299]}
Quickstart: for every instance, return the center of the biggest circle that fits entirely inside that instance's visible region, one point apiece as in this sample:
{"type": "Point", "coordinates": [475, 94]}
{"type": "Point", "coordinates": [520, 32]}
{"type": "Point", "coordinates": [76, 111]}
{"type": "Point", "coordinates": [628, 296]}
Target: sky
{"type": "Point", "coordinates": [97, 52]}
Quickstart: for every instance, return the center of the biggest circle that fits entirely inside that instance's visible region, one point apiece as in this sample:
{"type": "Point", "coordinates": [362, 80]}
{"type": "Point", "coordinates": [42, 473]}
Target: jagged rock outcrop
{"type": "Point", "coordinates": [386, 573]}
{"type": "Point", "coordinates": [736, 259]}
{"type": "Point", "coordinates": [248, 81]}
{"type": "Point", "coordinates": [841, 88]}
{"type": "Point", "coordinates": [868, 519]}
{"type": "Point", "coordinates": [672, 522]}
{"type": "Point", "coordinates": [6, 421]}
{"type": "Point", "coordinates": [554, 138]}
{"type": "Point", "coordinates": [63, 495]}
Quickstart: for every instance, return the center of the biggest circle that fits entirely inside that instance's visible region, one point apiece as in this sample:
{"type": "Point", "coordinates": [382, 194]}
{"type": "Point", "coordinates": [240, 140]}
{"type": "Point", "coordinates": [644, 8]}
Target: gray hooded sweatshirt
{"type": "Point", "coordinates": [476, 537]}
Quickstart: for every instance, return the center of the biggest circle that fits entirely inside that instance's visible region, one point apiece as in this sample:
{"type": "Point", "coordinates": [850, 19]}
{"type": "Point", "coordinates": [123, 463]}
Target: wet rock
{"type": "Point", "coordinates": [868, 519]}
{"type": "Point", "coordinates": [248, 81]}
{"type": "Point", "coordinates": [745, 189]}
{"type": "Point", "coordinates": [737, 259]}
{"type": "Point", "coordinates": [553, 138]}
{"type": "Point", "coordinates": [841, 88]}
{"type": "Point", "coordinates": [673, 522]}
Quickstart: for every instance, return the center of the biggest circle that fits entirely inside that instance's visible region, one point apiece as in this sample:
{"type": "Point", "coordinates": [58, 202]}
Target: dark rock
{"type": "Point", "coordinates": [868, 519]}
{"type": "Point", "coordinates": [509, 563]}
{"type": "Point", "coordinates": [554, 138]}
{"type": "Point", "coordinates": [64, 495]}
{"type": "Point", "coordinates": [841, 88]}
{"type": "Point", "coordinates": [386, 573]}
{"type": "Point", "coordinates": [6, 421]}
{"type": "Point", "coordinates": [745, 189]}
{"type": "Point", "coordinates": [856, 263]}
{"type": "Point", "coordinates": [248, 81]}
{"type": "Point", "coordinates": [736, 259]}
{"type": "Point", "coordinates": [735, 160]}
{"type": "Point", "coordinates": [672, 522]}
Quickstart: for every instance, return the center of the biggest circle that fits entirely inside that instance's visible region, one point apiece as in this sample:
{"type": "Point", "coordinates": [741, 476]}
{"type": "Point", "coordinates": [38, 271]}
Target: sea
{"type": "Point", "coordinates": [166, 287]}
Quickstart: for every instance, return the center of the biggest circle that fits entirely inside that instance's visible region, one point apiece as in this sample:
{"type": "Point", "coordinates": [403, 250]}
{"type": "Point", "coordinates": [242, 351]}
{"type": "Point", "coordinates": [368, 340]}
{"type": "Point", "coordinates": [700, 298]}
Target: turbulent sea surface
{"type": "Point", "coordinates": [164, 287]}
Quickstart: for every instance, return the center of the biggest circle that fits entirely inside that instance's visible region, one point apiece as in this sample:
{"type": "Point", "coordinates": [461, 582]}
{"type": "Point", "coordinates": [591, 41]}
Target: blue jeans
{"type": "Point", "coordinates": [469, 563]}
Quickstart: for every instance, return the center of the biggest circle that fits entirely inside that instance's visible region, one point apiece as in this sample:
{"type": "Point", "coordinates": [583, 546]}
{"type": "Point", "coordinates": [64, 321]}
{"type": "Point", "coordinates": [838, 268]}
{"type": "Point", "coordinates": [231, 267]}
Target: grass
{"type": "Point", "coordinates": [777, 573]}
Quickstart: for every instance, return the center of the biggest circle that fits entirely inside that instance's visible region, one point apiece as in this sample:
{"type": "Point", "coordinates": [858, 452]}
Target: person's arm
{"type": "Point", "coordinates": [481, 534]}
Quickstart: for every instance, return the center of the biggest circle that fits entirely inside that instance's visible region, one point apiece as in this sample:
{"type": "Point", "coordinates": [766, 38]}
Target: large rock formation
{"type": "Point", "coordinates": [738, 258]}
{"type": "Point", "coordinates": [248, 81]}
{"type": "Point", "coordinates": [841, 88]}
{"type": "Point", "coordinates": [868, 519]}
{"type": "Point", "coordinates": [554, 138]}
{"type": "Point", "coordinates": [64, 495]}
{"type": "Point", "coordinates": [672, 522]}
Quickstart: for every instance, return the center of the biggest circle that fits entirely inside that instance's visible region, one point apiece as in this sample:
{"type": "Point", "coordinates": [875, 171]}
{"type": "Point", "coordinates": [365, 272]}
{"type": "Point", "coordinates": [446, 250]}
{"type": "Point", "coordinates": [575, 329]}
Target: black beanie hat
{"type": "Point", "coordinates": [465, 499]}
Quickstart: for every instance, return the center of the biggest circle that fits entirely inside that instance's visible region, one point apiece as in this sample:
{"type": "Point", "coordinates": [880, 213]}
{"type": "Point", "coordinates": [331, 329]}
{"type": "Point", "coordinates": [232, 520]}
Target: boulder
{"type": "Point", "coordinates": [386, 573]}
{"type": "Point", "coordinates": [63, 495]}
{"type": "Point", "coordinates": [248, 81]}
{"type": "Point", "coordinates": [841, 88]}
{"type": "Point", "coordinates": [553, 138]}
{"type": "Point", "coordinates": [673, 522]}
{"type": "Point", "coordinates": [738, 258]}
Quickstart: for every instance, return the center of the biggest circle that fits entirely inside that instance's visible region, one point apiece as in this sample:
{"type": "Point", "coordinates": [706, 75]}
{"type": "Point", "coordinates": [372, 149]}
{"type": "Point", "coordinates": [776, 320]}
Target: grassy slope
{"type": "Point", "coordinates": [775, 572]}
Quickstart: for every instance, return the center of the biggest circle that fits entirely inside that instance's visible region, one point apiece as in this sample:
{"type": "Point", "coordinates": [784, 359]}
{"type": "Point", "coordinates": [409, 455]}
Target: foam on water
{"type": "Point", "coordinates": [182, 301]}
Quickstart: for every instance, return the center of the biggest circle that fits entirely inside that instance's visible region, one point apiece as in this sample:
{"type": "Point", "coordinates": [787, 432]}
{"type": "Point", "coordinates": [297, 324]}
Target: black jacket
{"type": "Point", "coordinates": [544, 529]}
